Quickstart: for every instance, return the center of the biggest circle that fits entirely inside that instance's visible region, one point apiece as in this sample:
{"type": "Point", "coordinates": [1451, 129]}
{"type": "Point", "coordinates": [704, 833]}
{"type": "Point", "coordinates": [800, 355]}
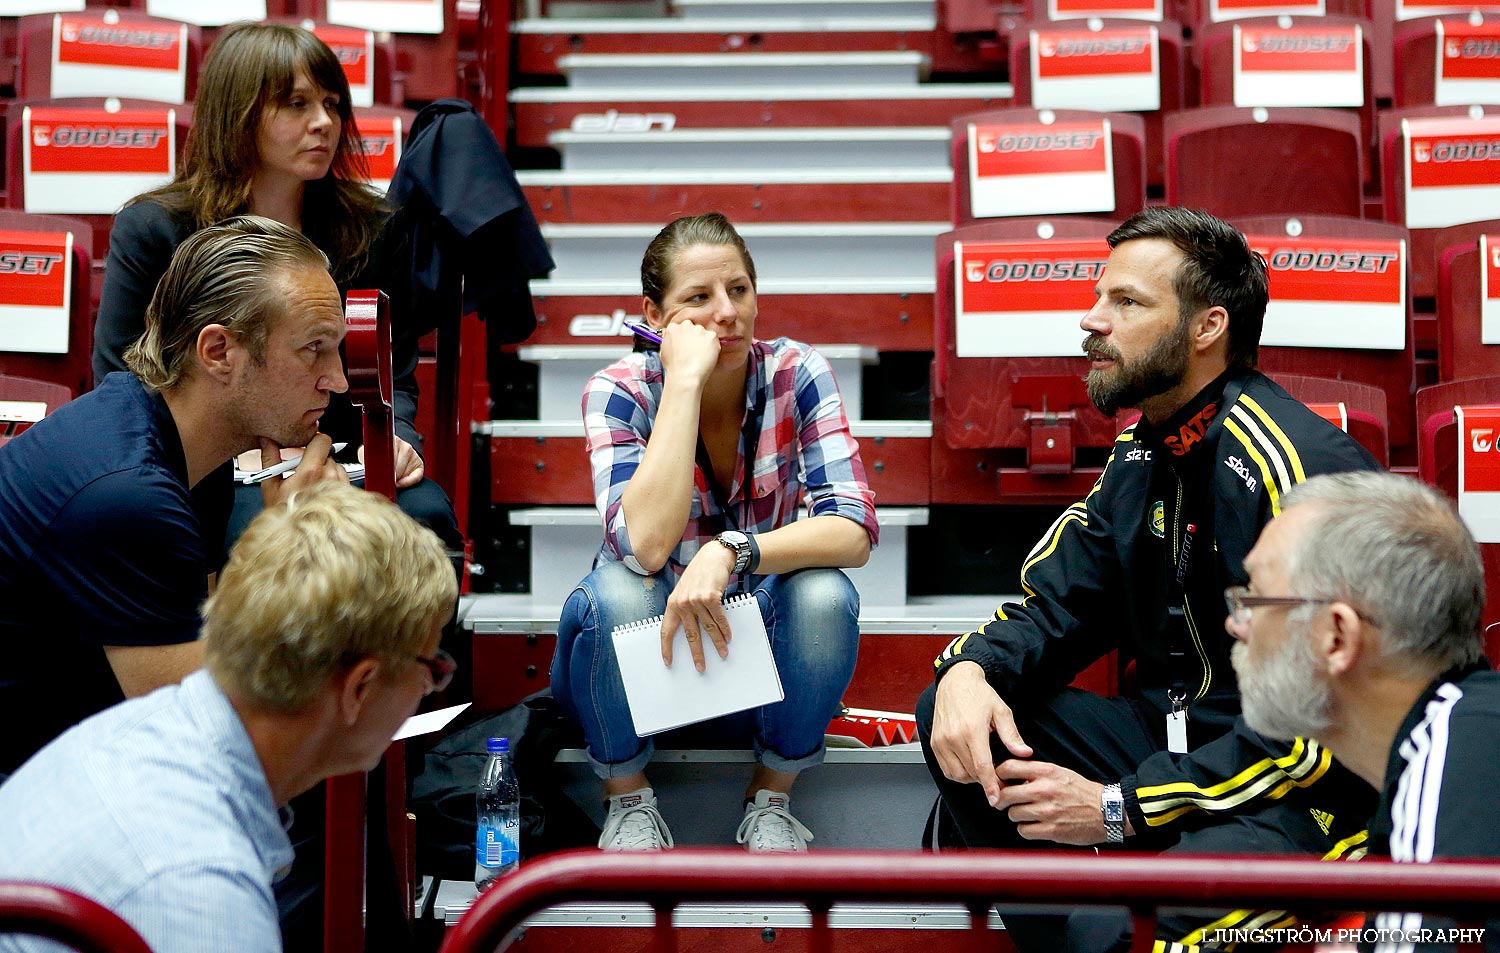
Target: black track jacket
{"type": "Point", "coordinates": [1111, 573]}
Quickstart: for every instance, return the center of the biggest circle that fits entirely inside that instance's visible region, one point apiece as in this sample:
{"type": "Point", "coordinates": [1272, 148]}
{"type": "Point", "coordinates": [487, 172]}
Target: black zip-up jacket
{"type": "Point", "coordinates": [1111, 573]}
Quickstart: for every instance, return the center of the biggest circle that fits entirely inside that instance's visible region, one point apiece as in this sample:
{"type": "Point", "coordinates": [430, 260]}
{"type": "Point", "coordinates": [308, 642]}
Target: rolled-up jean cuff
{"type": "Point", "coordinates": [776, 762]}
{"type": "Point", "coordinates": [624, 769]}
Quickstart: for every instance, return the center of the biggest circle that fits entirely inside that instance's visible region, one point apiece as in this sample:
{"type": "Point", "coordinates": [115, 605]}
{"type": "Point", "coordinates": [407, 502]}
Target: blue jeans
{"type": "Point", "coordinates": [812, 619]}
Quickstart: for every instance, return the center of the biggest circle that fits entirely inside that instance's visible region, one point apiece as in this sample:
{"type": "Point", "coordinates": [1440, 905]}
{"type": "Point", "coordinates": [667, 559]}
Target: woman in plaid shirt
{"type": "Point", "coordinates": [702, 455]}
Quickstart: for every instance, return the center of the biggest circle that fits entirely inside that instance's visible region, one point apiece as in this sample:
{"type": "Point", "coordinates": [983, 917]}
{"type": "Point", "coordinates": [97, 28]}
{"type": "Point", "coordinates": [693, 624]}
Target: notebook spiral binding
{"type": "Point", "coordinates": [656, 620]}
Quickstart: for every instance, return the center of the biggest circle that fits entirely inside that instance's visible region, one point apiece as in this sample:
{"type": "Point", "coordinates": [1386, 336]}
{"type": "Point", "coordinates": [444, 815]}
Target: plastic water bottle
{"type": "Point", "coordinates": [497, 847]}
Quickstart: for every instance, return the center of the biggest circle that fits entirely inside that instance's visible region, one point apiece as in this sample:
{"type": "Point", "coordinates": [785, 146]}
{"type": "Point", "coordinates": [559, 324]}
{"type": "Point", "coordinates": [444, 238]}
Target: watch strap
{"type": "Point", "coordinates": [1112, 805]}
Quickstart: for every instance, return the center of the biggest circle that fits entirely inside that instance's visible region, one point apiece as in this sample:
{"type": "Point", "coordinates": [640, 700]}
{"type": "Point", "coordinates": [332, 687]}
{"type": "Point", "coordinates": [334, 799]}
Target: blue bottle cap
{"type": "Point", "coordinates": [499, 745]}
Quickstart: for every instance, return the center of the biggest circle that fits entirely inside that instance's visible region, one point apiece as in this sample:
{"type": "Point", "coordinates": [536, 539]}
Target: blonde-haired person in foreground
{"type": "Point", "coordinates": [320, 640]}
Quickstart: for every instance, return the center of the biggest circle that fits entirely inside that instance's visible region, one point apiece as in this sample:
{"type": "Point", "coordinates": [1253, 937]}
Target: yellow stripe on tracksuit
{"type": "Point", "coordinates": [1267, 476]}
{"type": "Point", "coordinates": [1269, 778]}
{"type": "Point", "coordinates": [1077, 513]}
{"type": "Point", "coordinates": [1350, 848]}
{"type": "Point", "coordinates": [1287, 448]}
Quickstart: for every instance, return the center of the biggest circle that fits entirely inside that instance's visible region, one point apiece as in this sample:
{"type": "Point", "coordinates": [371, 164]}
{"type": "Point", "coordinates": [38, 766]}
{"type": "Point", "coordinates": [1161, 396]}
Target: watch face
{"type": "Point", "coordinates": [734, 538]}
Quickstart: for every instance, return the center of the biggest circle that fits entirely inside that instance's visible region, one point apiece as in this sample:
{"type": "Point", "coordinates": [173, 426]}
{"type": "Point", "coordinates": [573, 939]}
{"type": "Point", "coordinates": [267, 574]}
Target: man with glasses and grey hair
{"type": "Point", "coordinates": [113, 508]}
{"type": "Point", "coordinates": [165, 808]}
{"type": "Point", "coordinates": [1361, 628]}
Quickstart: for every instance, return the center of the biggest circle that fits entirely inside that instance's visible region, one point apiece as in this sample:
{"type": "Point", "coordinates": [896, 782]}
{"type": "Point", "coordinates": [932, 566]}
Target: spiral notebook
{"type": "Point", "coordinates": [663, 698]}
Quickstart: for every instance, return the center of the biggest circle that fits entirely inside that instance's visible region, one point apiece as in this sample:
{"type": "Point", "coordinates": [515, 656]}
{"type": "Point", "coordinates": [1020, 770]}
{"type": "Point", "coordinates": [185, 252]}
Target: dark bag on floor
{"type": "Point", "coordinates": [443, 794]}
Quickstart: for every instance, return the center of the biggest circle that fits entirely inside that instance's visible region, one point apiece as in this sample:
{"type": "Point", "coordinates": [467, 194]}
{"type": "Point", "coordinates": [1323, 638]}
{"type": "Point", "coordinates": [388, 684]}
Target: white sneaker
{"type": "Point", "coordinates": [769, 826]}
{"type": "Point", "coordinates": [634, 823]}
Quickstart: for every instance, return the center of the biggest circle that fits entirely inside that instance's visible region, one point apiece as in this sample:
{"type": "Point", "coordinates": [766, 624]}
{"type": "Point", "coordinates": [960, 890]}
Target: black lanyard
{"type": "Point", "coordinates": [750, 437]}
{"type": "Point", "coordinates": [1194, 525]}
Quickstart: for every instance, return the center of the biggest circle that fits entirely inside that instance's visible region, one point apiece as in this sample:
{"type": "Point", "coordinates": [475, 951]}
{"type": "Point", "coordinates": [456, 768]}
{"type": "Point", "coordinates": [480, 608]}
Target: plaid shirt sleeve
{"type": "Point", "coordinates": [619, 404]}
{"type": "Point", "coordinates": [830, 467]}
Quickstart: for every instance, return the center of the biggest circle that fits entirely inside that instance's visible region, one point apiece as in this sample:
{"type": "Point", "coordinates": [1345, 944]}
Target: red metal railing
{"type": "Point", "coordinates": [1468, 892]}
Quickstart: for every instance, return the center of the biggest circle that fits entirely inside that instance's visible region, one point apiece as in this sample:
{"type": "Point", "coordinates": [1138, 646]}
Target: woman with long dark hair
{"type": "Point", "coordinates": [274, 135]}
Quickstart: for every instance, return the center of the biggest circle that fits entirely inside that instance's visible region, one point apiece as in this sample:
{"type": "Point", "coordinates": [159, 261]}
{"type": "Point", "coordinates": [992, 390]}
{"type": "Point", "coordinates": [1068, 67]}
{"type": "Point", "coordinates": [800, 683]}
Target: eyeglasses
{"type": "Point", "coordinates": [440, 669]}
{"type": "Point", "coordinates": [1241, 603]}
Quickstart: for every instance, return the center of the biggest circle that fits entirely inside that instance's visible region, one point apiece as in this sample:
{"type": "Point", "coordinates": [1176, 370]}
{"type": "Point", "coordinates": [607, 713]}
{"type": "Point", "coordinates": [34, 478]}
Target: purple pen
{"type": "Point", "coordinates": [640, 330]}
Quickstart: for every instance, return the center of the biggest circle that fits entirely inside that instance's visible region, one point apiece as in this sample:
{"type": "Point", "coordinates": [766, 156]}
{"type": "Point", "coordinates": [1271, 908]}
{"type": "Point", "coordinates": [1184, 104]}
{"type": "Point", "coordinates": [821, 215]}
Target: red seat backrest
{"type": "Point", "coordinates": [1461, 350]}
{"type": "Point", "coordinates": [71, 370]}
{"type": "Point", "coordinates": [98, 213]}
{"type": "Point", "coordinates": [1036, 408]}
{"type": "Point", "coordinates": [1364, 405]}
{"type": "Point", "coordinates": [1437, 464]}
{"type": "Point", "coordinates": [29, 393]}
{"type": "Point", "coordinates": [1172, 68]}
{"type": "Point", "coordinates": [1389, 370]}
{"type": "Point", "coordinates": [1127, 151]}
{"type": "Point", "coordinates": [427, 64]}
{"type": "Point", "coordinates": [1215, 50]}
{"type": "Point", "coordinates": [34, 79]}
{"type": "Point", "coordinates": [1414, 54]}
{"type": "Point", "coordinates": [1424, 241]}
{"type": "Point", "coordinates": [1235, 162]}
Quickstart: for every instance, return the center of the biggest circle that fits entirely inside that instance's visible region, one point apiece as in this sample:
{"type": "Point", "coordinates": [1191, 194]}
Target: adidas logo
{"type": "Point", "coordinates": [1324, 819]}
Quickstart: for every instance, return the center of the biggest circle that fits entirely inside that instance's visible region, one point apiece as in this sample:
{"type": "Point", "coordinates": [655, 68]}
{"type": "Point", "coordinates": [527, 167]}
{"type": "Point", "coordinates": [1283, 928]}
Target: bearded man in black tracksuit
{"type": "Point", "coordinates": [1140, 566]}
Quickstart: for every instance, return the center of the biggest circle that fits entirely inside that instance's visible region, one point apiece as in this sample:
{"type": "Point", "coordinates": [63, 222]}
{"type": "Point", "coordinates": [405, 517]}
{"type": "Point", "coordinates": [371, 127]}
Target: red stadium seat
{"type": "Point", "coordinates": [1225, 11]}
{"type": "Point", "coordinates": [427, 65]}
{"type": "Point", "coordinates": [61, 354]}
{"type": "Point", "coordinates": [111, 156]}
{"type": "Point", "coordinates": [24, 401]}
{"type": "Point", "coordinates": [383, 129]}
{"type": "Point", "coordinates": [1179, 11]}
{"type": "Point", "coordinates": [1102, 92]}
{"type": "Point", "coordinates": [1365, 417]}
{"type": "Point", "coordinates": [1235, 162]}
{"type": "Point", "coordinates": [1285, 77]}
{"type": "Point", "coordinates": [1393, 173]}
{"type": "Point", "coordinates": [1437, 464]}
{"type": "Point", "coordinates": [101, 53]}
{"type": "Point", "coordinates": [1461, 349]}
{"type": "Point", "coordinates": [66, 917]}
{"type": "Point", "coordinates": [1416, 64]}
{"type": "Point", "coordinates": [1126, 159]}
{"type": "Point", "coordinates": [1033, 411]}
{"type": "Point", "coordinates": [1388, 368]}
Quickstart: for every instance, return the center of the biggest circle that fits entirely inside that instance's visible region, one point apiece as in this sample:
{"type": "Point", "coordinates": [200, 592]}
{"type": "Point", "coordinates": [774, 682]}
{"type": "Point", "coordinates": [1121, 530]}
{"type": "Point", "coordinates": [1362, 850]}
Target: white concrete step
{"type": "Point", "coordinates": [454, 898]}
{"type": "Point", "coordinates": [563, 371]}
{"type": "Point", "coordinates": [495, 613]}
{"type": "Point", "coordinates": [782, 251]}
{"type": "Point", "coordinates": [701, 795]}
{"type": "Point", "coordinates": [564, 540]}
{"type": "Point", "coordinates": [761, 71]}
{"type": "Point", "coordinates": [899, 147]}
{"type": "Point", "coordinates": [838, 9]}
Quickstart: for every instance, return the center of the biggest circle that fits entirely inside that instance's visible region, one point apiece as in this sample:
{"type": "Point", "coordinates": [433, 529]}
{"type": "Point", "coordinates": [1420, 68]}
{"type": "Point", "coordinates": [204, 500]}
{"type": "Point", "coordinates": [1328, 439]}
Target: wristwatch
{"type": "Point", "coordinates": [739, 544]}
{"type": "Point", "coordinates": [1113, 806]}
